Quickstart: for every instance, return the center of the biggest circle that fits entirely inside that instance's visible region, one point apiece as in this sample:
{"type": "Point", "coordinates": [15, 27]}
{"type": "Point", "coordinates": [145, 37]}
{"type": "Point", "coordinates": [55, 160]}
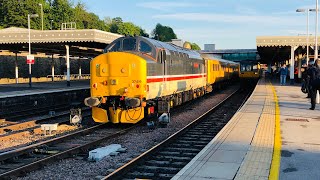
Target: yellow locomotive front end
{"type": "Point", "coordinates": [118, 88]}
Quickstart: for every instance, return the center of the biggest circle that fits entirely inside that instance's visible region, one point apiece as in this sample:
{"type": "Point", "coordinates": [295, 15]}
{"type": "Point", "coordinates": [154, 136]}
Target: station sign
{"type": "Point", "coordinates": [30, 59]}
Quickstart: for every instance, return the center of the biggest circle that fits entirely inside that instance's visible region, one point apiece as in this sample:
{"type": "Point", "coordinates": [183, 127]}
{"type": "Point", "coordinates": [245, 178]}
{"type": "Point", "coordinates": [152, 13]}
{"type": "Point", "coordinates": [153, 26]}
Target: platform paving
{"type": "Point", "coordinates": [23, 89]}
{"type": "Point", "coordinates": [244, 148]}
{"type": "Point", "coordinates": [300, 127]}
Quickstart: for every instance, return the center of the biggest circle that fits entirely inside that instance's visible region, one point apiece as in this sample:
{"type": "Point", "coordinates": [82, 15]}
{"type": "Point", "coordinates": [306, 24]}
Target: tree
{"type": "Point", "coordinates": [128, 29]}
{"type": "Point", "coordinates": [107, 22]}
{"type": "Point", "coordinates": [15, 13]}
{"type": "Point", "coordinates": [115, 23]}
{"type": "Point", "coordinates": [143, 33]}
{"type": "Point", "coordinates": [79, 15]}
{"type": "Point", "coordinates": [56, 12]}
{"type": "Point", "coordinates": [195, 46]}
{"type": "Point", "coordinates": [62, 12]}
{"type": "Point", "coordinates": [163, 33]}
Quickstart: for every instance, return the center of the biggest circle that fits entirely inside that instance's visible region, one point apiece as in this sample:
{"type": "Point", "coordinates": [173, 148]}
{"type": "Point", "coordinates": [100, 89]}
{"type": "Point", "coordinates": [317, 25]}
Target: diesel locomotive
{"type": "Point", "coordinates": [138, 77]}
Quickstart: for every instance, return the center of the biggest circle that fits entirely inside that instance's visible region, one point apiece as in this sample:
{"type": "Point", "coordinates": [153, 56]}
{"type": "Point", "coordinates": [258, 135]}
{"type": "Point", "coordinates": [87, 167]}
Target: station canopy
{"type": "Point", "coordinates": [82, 42]}
{"type": "Point", "coordinates": [278, 48]}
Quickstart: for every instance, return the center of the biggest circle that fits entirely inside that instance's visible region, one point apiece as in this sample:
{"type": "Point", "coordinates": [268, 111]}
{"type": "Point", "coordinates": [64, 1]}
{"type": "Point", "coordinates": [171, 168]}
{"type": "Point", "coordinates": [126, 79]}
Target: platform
{"type": "Point", "coordinates": [274, 135]}
{"type": "Point", "coordinates": [23, 89]}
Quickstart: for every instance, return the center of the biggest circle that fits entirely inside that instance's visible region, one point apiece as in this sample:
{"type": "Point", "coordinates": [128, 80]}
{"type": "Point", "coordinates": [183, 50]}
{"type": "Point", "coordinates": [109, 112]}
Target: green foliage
{"type": "Point", "coordinates": [163, 33]}
{"type": "Point", "coordinates": [116, 25]}
{"type": "Point", "coordinates": [15, 13]}
{"type": "Point", "coordinates": [56, 12]}
{"type": "Point", "coordinates": [195, 46]}
{"type": "Point", "coordinates": [62, 12]}
{"type": "Point", "coordinates": [128, 29]}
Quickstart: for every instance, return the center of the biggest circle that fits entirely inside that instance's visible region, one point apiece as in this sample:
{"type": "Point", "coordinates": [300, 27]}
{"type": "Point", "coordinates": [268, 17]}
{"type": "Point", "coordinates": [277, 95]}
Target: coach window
{"type": "Point", "coordinates": [249, 68]}
{"type": "Point", "coordinates": [255, 67]}
{"type": "Point", "coordinates": [129, 44]}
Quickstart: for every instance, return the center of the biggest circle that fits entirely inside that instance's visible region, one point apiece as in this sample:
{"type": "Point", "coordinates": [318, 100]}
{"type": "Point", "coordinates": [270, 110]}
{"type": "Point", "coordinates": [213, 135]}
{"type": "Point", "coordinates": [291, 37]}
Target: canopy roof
{"type": "Point", "coordinates": [271, 41]}
{"type": "Point", "coordinates": [82, 42]}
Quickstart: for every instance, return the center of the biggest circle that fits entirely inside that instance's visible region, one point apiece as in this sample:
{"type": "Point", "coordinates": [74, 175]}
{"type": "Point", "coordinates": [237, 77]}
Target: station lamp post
{"type": "Point", "coordinates": [30, 16]}
{"type": "Point", "coordinates": [41, 16]}
{"type": "Point", "coordinates": [307, 10]}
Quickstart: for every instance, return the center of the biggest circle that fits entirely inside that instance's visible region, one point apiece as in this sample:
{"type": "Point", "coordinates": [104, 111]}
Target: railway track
{"type": "Point", "coordinates": [30, 132]}
{"type": "Point", "coordinates": [20, 161]}
{"type": "Point", "coordinates": [32, 111]}
{"type": "Point", "coordinates": [166, 159]}
{"type": "Point", "coordinates": [60, 118]}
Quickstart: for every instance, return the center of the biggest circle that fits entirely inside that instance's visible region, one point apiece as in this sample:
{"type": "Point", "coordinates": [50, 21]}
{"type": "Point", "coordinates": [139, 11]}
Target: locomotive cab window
{"type": "Point", "coordinates": [129, 44]}
{"type": "Point", "coordinates": [114, 47]}
{"type": "Point", "coordinates": [145, 48]}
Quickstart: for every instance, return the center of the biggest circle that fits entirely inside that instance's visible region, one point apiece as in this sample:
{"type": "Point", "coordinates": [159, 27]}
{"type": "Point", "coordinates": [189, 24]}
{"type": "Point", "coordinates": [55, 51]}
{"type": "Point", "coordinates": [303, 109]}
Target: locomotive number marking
{"type": "Point", "coordinates": [136, 81]}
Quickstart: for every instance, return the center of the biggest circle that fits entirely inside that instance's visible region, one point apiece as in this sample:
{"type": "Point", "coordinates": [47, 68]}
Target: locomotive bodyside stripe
{"type": "Point", "coordinates": [174, 78]}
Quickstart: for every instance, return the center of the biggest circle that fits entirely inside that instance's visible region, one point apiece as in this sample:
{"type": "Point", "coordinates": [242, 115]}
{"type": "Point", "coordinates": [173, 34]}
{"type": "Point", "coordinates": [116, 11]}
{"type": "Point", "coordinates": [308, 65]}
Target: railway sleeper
{"type": "Point", "coordinates": [156, 169]}
{"type": "Point", "coordinates": [139, 175]}
{"type": "Point", "coordinates": [184, 147]}
{"type": "Point", "coordinates": [195, 139]}
{"type": "Point", "coordinates": [211, 128]}
{"type": "Point", "coordinates": [208, 133]}
{"type": "Point", "coordinates": [179, 154]}
{"type": "Point", "coordinates": [135, 175]}
{"type": "Point", "coordinates": [165, 163]}
{"type": "Point", "coordinates": [199, 142]}
{"type": "Point", "coordinates": [195, 136]}
{"type": "Point", "coordinates": [173, 158]}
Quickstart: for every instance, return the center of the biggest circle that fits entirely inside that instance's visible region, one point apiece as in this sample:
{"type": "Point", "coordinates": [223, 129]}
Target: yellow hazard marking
{"type": "Point", "coordinates": [276, 157]}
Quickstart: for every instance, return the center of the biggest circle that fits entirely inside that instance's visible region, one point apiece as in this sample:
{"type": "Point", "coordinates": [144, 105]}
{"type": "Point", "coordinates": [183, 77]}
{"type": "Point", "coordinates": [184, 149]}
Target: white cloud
{"type": "Point", "coordinates": [164, 6]}
{"type": "Point", "coordinates": [258, 20]}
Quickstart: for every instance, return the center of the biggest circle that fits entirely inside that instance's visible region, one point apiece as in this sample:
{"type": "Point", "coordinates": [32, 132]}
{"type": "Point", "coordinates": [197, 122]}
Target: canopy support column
{"type": "Point", "coordinates": [17, 69]}
{"type": "Point", "coordinates": [68, 65]}
{"type": "Point", "coordinates": [79, 68]}
{"type": "Point", "coordinates": [52, 68]}
{"type": "Point", "coordinates": [293, 48]}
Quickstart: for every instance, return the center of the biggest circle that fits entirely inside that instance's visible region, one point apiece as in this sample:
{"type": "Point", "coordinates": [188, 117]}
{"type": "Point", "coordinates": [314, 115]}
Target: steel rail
{"type": "Point", "coordinates": [78, 148]}
{"type": "Point", "coordinates": [118, 174]}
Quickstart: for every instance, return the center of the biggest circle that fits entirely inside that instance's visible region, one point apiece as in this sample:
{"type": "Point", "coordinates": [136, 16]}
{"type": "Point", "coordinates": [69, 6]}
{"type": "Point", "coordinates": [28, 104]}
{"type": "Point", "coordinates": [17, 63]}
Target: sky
{"type": "Point", "coordinates": [230, 24]}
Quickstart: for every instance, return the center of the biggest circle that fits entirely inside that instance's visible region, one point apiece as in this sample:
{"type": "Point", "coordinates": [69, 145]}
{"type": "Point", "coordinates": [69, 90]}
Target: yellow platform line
{"type": "Point", "coordinates": [276, 157]}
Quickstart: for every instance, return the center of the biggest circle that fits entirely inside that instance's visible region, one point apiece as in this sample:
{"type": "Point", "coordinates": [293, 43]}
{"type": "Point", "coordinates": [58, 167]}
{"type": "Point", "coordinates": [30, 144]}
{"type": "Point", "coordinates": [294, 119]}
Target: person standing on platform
{"type": "Point", "coordinates": [307, 79]}
{"type": "Point", "coordinates": [314, 74]}
{"type": "Point", "coordinates": [283, 74]}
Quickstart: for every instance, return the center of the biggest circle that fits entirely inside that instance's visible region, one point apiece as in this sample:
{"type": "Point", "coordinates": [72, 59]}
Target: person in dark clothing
{"type": "Point", "coordinates": [314, 74]}
{"type": "Point", "coordinates": [306, 79]}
